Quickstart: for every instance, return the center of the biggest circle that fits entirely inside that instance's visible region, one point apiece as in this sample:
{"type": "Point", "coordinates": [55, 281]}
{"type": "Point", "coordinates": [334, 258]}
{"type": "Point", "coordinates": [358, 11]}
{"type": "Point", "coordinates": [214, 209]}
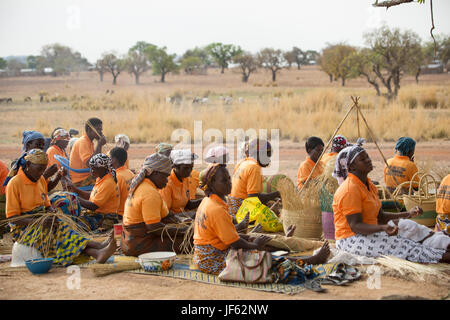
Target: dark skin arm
{"type": "Point", "coordinates": [47, 223]}
{"type": "Point", "coordinates": [266, 197]}
{"type": "Point", "coordinates": [101, 141]}
{"type": "Point", "coordinates": [53, 183]}
{"type": "Point", "coordinates": [83, 194]}
{"type": "Point", "coordinates": [88, 204]}
{"type": "Point", "coordinates": [357, 225]}
{"type": "Point", "coordinates": [385, 217]}
{"type": "Point", "coordinates": [193, 204]}
{"type": "Point", "coordinates": [257, 243]}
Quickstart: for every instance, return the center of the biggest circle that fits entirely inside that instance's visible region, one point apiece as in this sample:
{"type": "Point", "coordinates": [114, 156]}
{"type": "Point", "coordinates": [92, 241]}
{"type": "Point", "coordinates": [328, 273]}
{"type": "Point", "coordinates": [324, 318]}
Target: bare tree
{"type": "Point", "coordinates": [113, 64]}
{"type": "Point", "coordinates": [248, 64]}
{"type": "Point", "coordinates": [272, 60]}
{"type": "Point", "coordinates": [137, 61]}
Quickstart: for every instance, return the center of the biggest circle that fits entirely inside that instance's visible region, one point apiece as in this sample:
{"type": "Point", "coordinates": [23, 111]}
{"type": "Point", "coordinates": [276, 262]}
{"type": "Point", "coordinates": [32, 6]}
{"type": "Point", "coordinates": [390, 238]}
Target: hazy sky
{"type": "Point", "coordinates": [95, 26]}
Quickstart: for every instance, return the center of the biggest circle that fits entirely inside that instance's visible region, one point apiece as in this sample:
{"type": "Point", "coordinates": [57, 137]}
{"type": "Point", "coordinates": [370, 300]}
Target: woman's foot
{"type": "Point", "coordinates": [290, 230]}
{"type": "Point", "coordinates": [106, 252]}
{"type": "Point", "coordinates": [109, 239]}
{"type": "Point", "coordinates": [321, 256]}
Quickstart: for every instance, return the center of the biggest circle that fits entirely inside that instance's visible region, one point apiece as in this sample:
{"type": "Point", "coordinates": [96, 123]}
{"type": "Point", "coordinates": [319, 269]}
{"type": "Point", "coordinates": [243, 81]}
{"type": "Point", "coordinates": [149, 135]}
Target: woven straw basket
{"type": "Point", "coordinates": [308, 222]}
{"type": "Point", "coordinates": [422, 198]}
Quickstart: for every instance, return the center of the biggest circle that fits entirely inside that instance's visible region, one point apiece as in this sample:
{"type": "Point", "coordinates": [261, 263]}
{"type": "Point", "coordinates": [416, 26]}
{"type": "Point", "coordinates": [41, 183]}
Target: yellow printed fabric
{"type": "Point", "coordinates": [259, 213]}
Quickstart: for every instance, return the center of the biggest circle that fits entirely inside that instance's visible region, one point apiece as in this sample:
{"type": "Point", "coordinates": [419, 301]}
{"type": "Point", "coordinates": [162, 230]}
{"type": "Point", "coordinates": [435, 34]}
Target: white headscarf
{"type": "Point", "coordinates": [215, 155]}
{"type": "Point", "coordinates": [182, 156]}
{"type": "Point", "coordinates": [345, 158]}
{"type": "Point", "coordinates": [121, 140]}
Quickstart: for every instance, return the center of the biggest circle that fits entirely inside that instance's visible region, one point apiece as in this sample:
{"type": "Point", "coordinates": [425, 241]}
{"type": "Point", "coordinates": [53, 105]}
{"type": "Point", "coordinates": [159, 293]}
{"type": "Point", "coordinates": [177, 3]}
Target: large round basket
{"type": "Point", "coordinates": [424, 199]}
{"type": "Point", "coordinates": [308, 222]}
{"type": "Point", "coordinates": [270, 182]}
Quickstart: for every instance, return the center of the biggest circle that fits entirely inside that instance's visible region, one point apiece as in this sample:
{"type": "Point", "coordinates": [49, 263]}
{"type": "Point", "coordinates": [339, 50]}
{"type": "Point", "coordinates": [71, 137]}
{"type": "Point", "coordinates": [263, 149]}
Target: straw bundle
{"type": "Point", "coordinates": [186, 245]}
{"type": "Point", "coordinates": [100, 270]}
{"type": "Point", "coordinates": [415, 271]}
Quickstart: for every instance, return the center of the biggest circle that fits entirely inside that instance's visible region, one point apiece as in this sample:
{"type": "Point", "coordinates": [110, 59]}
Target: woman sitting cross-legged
{"type": "Point", "coordinates": [104, 199]}
{"type": "Point", "coordinates": [27, 194]}
{"type": "Point", "coordinates": [146, 214]}
{"type": "Point", "coordinates": [214, 232]}
{"type": "Point", "coordinates": [361, 226]}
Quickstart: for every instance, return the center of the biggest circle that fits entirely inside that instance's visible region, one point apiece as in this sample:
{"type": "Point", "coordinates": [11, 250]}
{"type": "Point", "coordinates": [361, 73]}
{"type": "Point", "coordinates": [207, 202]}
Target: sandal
{"type": "Point", "coordinates": [352, 274]}
{"type": "Point", "coordinates": [314, 285]}
{"type": "Point", "coordinates": [333, 280]}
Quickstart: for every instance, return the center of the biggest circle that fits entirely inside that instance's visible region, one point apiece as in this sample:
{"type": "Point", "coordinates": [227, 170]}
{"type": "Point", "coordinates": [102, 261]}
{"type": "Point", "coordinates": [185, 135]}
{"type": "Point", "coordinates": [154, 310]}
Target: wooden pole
{"type": "Point", "coordinates": [355, 102]}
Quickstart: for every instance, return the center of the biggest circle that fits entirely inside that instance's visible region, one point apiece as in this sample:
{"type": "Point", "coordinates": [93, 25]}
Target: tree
{"type": "Point", "coordinates": [14, 66]}
{"type": "Point", "coordinates": [63, 59]}
{"type": "Point", "coordinates": [113, 64]}
{"type": "Point", "coordinates": [248, 64]}
{"type": "Point", "coordinates": [191, 63]}
{"type": "Point", "coordinates": [162, 62]}
{"type": "Point", "coordinates": [223, 53]}
{"type": "Point", "coordinates": [137, 61]}
{"type": "Point", "coordinates": [200, 53]}
{"type": "Point", "coordinates": [2, 63]}
{"type": "Point", "coordinates": [394, 50]}
{"type": "Point", "coordinates": [32, 62]}
{"type": "Point", "coordinates": [289, 57]}
{"type": "Point", "coordinates": [311, 56]}
{"type": "Point", "coordinates": [101, 68]}
{"type": "Point", "coordinates": [362, 63]}
{"type": "Point", "coordinates": [332, 62]}
{"type": "Point", "coordinates": [272, 60]}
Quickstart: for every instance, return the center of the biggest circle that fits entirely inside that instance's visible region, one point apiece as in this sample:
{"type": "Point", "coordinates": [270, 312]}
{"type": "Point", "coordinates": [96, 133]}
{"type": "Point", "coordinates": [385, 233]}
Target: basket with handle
{"type": "Point", "coordinates": [389, 201]}
{"type": "Point", "coordinates": [422, 198]}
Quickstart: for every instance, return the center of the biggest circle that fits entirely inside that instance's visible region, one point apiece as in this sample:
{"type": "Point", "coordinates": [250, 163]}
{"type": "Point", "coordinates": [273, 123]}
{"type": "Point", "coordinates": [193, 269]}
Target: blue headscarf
{"type": "Point", "coordinates": [405, 145]}
{"type": "Point", "coordinates": [30, 136]}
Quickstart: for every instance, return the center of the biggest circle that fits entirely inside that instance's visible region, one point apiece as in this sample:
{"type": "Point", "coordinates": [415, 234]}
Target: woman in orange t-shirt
{"type": "Point", "coordinates": [314, 147]}
{"type": "Point", "coordinates": [361, 226]}
{"type": "Point", "coordinates": [214, 231]}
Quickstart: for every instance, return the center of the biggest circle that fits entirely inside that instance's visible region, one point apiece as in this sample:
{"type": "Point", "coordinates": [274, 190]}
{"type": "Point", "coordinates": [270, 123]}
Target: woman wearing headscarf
{"type": "Point", "coordinates": [215, 233]}
{"type": "Point", "coordinates": [176, 193]}
{"type": "Point", "coordinates": [146, 213]}
{"type": "Point", "coordinates": [58, 145]}
{"type": "Point", "coordinates": [401, 166]}
{"type": "Point", "coordinates": [339, 142]}
{"type": "Point", "coordinates": [122, 141]}
{"type": "Point", "coordinates": [104, 199]}
{"type": "Point", "coordinates": [247, 180]}
{"type": "Point", "coordinates": [314, 148]}
{"type": "Point", "coordinates": [27, 194]}
{"type": "Point", "coordinates": [361, 226]}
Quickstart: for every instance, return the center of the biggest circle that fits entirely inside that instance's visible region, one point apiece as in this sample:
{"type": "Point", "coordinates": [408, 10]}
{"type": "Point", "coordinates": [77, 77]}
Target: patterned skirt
{"type": "Point", "coordinates": [380, 243]}
{"type": "Point", "coordinates": [135, 241]}
{"type": "Point", "coordinates": [209, 259]}
{"type": "Point", "coordinates": [443, 223]}
{"type": "Point", "coordinates": [61, 243]}
{"type": "Point", "coordinates": [233, 205]}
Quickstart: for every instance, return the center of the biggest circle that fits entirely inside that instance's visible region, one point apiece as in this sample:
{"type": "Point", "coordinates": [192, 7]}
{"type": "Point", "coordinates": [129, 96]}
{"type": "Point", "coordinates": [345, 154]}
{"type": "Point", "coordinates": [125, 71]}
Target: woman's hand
{"type": "Point", "coordinates": [415, 212]}
{"type": "Point", "coordinates": [261, 241]}
{"type": "Point", "coordinates": [391, 231]}
{"type": "Point", "coordinates": [102, 140]}
{"type": "Point", "coordinates": [50, 171]}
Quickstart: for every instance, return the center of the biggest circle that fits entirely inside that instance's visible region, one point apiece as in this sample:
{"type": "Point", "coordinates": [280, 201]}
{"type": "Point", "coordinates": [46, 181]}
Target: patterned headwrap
{"type": "Point", "coordinates": [339, 142]}
{"type": "Point", "coordinates": [345, 158]}
{"type": "Point", "coordinates": [258, 150]}
{"type": "Point", "coordinates": [162, 147]}
{"type": "Point", "coordinates": [28, 136]}
{"type": "Point", "coordinates": [35, 156]}
{"type": "Point", "coordinates": [405, 145]}
{"type": "Point", "coordinates": [101, 160]}
{"type": "Point", "coordinates": [155, 162]}
{"type": "Point", "coordinates": [215, 155]}
{"type": "Point", "coordinates": [121, 140]}
{"type": "Point", "coordinates": [60, 134]}
{"type": "Point", "coordinates": [206, 177]}
{"type": "Point", "coordinates": [182, 156]}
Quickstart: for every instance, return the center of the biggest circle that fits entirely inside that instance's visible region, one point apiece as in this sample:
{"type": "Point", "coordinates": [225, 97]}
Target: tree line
{"type": "Point", "coordinates": [386, 58]}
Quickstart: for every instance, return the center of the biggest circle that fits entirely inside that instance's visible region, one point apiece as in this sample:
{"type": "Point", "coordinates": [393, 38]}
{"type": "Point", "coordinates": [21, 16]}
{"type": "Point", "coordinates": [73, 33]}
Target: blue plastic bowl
{"type": "Point", "coordinates": [39, 266]}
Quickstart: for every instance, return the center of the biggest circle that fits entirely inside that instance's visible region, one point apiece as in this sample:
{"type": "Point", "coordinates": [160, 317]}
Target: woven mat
{"type": "Point", "coordinates": [183, 269]}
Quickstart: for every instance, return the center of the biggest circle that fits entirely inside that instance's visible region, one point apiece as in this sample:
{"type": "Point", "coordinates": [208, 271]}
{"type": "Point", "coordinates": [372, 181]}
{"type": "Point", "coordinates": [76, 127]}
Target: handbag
{"type": "Point", "coordinates": [249, 266]}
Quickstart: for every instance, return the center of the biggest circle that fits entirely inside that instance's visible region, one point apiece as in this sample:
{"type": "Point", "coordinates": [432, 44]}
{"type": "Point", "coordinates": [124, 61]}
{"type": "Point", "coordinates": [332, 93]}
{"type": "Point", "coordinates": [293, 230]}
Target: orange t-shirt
{"type": "Point", "coordinates": [51, 152]}
{"type": "Point", "coordinates": [3, 174]}
{"type": "Point", "coordinates": [305, 169]}
{"type": "Point", "coordinates": [106, 195]}
{"type": "Point", "coordinates": [194, 182]}
{"type": "Point", "coordinates": [176, 194]}
{"type": "Point", "coordinates": [213, 224]}
{"type": "Point", "coordinates": [124, 178]}
{"type": "Point", "coordinates": [352, 197]}
{"type": "Point", "coordinates": [146, 205]}
{"type": "Point", "coordinates": [443, 196]}
{"type": "Point", "coordinates": [23, 195]}
{"type": "Point", "coordinates": [82, 151]}
{"type": "Point", "coordinates": [402, 168]}
{"type": "Point", "coordinates": [326, 158]}
{"type": "Point", "coordinates": [247, 179]}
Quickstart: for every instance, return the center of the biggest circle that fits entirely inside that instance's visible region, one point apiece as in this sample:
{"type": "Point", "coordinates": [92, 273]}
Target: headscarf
{"type": "Point", "coordinates": [345, 158]}
{"type": "Point", "coordinates": [182, 156]}
{"type": "Point", "coordinates": [215, 155]}
{"type": "Point", "coordinates": [405, 145]}
{"type": "Point", "coordinates": [339, 142]}
{"type": "Point", "coordinates": [101, 160]}
{"type": "Point", "coordinates": [155, 162]}
{"type": "Point", "coordinates": [35, 156]}
{"type": "Point", "coordinates": [60, 134]}
{"type": "Point", "coordinates": [121, 140]}
{"type": "Point", "coordinates": [206, 177]}
{"type": "Point", "coordinates": [258, 149]}
{"type": "Point", "coordinates": [28, 136]}
{"type": "Point", "coordinates": [162, 147]}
